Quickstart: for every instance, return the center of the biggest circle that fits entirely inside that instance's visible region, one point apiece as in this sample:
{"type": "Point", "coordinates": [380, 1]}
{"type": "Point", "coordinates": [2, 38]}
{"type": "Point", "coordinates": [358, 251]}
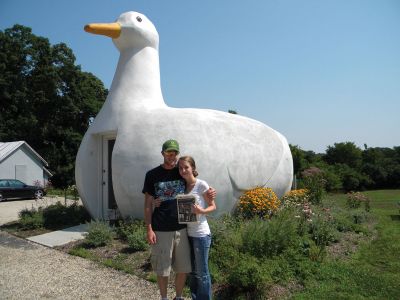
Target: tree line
{"type": "Point", "coordinates": [346, 167]}
{"type": "Point", "coordinates": [48, 101]}
{"type": "Point", "coordinates": [45, 98]}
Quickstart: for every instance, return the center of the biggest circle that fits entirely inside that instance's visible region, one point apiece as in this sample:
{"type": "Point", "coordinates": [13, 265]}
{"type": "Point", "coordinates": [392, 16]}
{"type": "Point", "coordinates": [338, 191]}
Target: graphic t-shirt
{"type": "Point", "coordinates": [165, 184]}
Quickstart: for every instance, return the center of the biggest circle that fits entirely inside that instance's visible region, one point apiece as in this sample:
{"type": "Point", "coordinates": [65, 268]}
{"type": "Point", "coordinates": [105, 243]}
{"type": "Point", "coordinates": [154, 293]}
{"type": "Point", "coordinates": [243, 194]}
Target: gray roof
{"type": "Point", "coordinates": [8, 148]}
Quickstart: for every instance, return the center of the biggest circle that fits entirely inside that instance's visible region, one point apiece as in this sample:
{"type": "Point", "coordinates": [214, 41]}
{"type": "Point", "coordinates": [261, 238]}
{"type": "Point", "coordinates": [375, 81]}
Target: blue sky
{"type": "Point", "coordinates": [319, 72]}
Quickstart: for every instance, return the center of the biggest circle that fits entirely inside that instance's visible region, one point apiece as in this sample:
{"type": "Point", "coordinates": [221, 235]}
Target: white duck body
{"type": "Point", "coordinates": [233, 153]}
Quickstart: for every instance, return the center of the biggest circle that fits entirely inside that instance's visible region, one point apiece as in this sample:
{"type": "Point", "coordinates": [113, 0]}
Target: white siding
{"type": "Point", "coordinates": [22, 157]}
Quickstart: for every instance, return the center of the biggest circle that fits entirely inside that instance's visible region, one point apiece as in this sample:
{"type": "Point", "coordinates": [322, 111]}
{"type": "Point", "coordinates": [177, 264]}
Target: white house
{"type": "Point", "coordinates": [19, 161]}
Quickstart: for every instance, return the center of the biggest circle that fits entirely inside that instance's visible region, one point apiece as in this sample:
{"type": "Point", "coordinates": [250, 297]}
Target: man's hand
{"type": "Point", "coordinates": [148, 211]}
{"type": "Point", "coordinates": [151, 236]}
{"type": "Point", "coordinates": [211, 194]}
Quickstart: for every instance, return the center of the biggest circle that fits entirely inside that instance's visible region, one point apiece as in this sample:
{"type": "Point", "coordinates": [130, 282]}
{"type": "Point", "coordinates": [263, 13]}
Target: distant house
{"type": "Point", "coordinates": [18, 160]}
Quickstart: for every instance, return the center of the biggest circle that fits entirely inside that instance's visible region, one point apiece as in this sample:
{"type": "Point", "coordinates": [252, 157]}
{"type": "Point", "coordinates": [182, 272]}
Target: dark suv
{"type": "Point", "coordinates": [13, 188]}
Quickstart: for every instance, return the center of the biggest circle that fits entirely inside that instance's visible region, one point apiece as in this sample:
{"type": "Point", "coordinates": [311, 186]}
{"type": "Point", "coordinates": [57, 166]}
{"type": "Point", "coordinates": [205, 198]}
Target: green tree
{"type": "Point", "coordinates": [45, 99]}
{"type": "Point", "coordinates": [382, 165]}
{"type": "Point", "coordinates": [333, 181]}
{"type": "Point", "coordinates": [299, 161]}
{"type": "Point", "coordinates": [344, 153]}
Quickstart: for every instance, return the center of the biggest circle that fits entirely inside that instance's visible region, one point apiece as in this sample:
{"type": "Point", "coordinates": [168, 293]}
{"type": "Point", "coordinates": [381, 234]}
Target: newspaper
{"type": "Point", "coordinates": [184, 204]}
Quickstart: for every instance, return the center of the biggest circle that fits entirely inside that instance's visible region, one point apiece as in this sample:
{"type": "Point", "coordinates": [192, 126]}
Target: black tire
{"type": "Point", "coordinates": [38, 194]}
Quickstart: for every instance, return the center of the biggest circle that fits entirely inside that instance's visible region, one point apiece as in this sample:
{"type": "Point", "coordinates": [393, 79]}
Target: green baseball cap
{"type": "Point", "coordinates": [170, 145]}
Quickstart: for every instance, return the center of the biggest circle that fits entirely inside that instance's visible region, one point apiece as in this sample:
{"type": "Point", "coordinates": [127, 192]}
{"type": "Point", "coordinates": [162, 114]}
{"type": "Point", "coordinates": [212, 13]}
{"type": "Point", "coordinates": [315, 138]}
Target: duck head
{"type": "Point", "coordinates": [130, 30]}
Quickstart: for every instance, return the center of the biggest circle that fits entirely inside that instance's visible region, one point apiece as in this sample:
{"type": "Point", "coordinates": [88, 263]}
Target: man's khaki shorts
{"type": "Point", "coordinates": [172, 249]}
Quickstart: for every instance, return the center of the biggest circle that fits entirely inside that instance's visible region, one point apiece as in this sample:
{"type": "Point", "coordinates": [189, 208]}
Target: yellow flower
{"type": "Point", "coordinates": [259, 201]}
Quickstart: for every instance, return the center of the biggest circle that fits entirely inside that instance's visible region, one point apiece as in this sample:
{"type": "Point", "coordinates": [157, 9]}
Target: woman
{"type": "Point", "coordinates": [199, 233]}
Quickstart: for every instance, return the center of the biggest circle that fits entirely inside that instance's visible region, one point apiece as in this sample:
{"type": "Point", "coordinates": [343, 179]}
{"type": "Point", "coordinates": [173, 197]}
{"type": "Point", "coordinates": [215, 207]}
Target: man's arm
{"type": "Point", "coordinates": [148, 211]}
{"type": "Point", "coordinates": [210, 194]}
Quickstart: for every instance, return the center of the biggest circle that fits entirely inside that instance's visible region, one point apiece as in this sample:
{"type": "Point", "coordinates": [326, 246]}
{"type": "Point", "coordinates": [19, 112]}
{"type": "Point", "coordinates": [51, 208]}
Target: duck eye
{"type": "Point", "coordinates": [139, 19]}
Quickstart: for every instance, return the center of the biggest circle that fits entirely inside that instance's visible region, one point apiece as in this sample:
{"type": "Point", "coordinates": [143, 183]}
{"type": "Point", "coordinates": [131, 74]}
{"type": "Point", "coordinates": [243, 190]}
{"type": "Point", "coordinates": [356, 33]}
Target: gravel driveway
{"type": "Point", "coordinates": [32, 271]}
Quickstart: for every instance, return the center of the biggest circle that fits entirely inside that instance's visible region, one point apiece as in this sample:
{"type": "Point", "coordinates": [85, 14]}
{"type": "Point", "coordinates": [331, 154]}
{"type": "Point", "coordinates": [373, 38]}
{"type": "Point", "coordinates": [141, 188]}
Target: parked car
{"type": "Point", "coordinates": [13, 188]}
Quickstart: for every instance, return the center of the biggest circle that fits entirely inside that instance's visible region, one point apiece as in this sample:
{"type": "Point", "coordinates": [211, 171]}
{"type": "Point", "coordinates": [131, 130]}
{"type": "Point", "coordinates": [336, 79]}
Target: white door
{"type": "Point", "coordinates": [21, 172]}
{"type": "Point", "coordinates": [110, 208]}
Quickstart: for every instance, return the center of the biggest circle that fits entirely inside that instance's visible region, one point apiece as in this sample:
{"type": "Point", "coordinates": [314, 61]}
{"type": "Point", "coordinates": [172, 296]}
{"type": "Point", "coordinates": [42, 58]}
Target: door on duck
{"type": "Point", "coordinates": [110, 207]}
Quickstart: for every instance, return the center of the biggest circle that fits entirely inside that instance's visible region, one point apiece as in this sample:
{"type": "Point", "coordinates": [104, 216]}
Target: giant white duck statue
{"type": "Point", "coordinates": [233, 153]}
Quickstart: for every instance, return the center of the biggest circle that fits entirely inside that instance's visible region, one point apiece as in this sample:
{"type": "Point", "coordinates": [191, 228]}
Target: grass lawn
{"type": "Point", "coordinates": [373, 272]}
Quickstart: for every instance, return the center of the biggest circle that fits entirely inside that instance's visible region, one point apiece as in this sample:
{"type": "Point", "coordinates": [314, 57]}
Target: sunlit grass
{"type": "Point", "coordinates": [373, 272]}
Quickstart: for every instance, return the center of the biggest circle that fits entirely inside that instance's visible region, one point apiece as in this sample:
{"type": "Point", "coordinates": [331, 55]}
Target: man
{"type": "Point", "coordinates": [170, 245]}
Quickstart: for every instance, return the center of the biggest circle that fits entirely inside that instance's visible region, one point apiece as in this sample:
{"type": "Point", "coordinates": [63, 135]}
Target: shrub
{"type": "Point", "coordinates": [31, 218]}
{"type": "Point", "coordinates": [355, 199]}
{"type": "Point", "coordinates": [268, 238]}
{"type": "Point", "coordinates": [322, 233]}
{"type": "Point", "coordinates": [261, 202]}
{"type": "Point", "coordinates": [314, 182]}
{"type": "Point", "coordinates": [248, 256]}
{"type": "Point", "coordinates": [137, 240]}
{"type": "Point", "coordinates": [73, 190]}
{"type": "Point", "coordinates": [316, 253]}
{"type": "Point", "coordinates": [77, 214]}
{"type": "Point", "coordinates": [227, 239]}
{"type": "Point", "coordinates": [295, 198]}
{"type": "Point", "coordinates": [249, 276]}
{"type": "Point", "coordinates": [27, 212]}
{"type": "Point", "coordinates": [304, 215]}
{"type": "Point", "coordinates": [322, 230]}
{"type": "Point", "coordinates": [359, 216]}
{"type": "Point", "coordinates": [344, 222]}
{"type": "Point", "coordinates": [224, 225]}
{"type": "Point", "coordinates": [54, 215]}
{"type": "Point", "coordinates": [126, 227]}
{"type": "Point", "coordinates": [57, 215]}
{"type": "Point", "coordinates": [133, 232]}
{"type": "Point", "coordinates": [99, 234]}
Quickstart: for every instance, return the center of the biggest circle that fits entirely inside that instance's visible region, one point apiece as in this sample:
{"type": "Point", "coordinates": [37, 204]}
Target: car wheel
{"type": "Point", "coordinates": [39, 194]}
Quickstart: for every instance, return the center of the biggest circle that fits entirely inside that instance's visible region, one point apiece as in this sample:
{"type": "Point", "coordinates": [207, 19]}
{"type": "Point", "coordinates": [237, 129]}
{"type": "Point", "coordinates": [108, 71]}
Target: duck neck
{"type": "Point", "coordinates": [137, 79]}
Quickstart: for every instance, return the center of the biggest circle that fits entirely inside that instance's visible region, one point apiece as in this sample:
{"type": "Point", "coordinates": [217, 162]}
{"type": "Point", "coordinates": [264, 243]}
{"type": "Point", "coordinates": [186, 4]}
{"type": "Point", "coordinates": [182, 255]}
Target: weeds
{"type": "Point", "coordinates": [53, 216]}
{"type": "Point", "coordinates": [99, 234]}
{"type": "Point", "coordinates": [31, 218]}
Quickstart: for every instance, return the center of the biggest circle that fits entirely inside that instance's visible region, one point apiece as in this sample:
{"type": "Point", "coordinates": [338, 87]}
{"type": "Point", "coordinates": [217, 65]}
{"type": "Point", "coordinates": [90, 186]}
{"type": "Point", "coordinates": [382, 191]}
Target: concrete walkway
{"type": "Point", "coordinates": [60, 237]}
{"type": "Point", "coordinates": [9, 212]}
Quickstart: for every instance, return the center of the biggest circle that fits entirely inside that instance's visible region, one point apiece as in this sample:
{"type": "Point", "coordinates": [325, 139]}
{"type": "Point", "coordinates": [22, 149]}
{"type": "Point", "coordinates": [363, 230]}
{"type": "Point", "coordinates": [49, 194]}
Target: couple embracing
{"type": "Point", "coordinates": [184, 248]}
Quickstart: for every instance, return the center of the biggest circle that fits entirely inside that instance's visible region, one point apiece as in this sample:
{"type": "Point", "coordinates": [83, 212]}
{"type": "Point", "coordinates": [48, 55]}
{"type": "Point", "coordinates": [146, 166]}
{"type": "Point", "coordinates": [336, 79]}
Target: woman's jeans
{"type": "Point", "coordinates": [200, 280]}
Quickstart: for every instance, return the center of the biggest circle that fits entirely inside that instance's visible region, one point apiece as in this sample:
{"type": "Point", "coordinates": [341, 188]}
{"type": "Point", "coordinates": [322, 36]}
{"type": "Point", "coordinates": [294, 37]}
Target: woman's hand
{"type": "Point", "coordinates": [196, 209]}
